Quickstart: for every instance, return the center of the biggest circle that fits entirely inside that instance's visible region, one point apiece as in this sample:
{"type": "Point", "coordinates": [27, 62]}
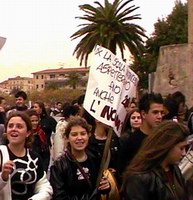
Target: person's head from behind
{"type": "Point", "coordinates": [70, 110]}
{"type": "Point", "coordinates": [80, 102]}
{"type": "Point", "coordinates": [77, 134]}
{"type": "Point", "coordinates": [151, 109]}
{"type": "Point", "coordinates": [180, 99]}
{"type": "Point", "coordinates": [20, 98]}
{"type": "Point", "coordinates": [18, 129]}
{"type": "Point", "coordinates": [164, 147]}
{"type": "Point", "coordinates": [170, 108]}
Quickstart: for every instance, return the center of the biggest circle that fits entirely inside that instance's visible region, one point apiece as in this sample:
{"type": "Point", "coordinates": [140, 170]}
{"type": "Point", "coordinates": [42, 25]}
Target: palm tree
{"type": "Point", "coordinates": [73, 79]}
{"type": "Point", "coordinates": [109, 26]}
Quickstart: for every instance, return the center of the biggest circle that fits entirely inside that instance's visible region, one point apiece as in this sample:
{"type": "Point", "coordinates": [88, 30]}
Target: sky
{"type": "Point", "coordinates": [38, 32]}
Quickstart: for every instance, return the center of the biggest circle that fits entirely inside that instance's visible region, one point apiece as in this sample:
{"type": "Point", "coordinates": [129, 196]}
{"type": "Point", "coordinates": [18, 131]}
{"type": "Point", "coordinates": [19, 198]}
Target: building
{"type": "Point", "coordinates": [19, 83]}
{"type": "Point", "coordinates": [58, 77]}
{"type": "Point", "coordinates": [44, 79]}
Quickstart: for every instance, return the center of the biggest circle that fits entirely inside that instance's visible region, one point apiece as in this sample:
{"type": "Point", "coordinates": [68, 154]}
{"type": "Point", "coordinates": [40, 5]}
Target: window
{"type": "Point", "coordinates": [37, 86]}
{"type": "Point", "coordinates": [42, 76]}
{"type": "Point", "coordinates": [52, 76]}
{"type": "Point", "coordinates": [42, 86]}
{"type": "Point", "coordinates": [37, 77]}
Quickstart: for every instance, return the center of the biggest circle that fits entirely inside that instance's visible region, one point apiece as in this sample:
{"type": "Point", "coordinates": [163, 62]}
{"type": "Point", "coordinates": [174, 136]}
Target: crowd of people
{"type": "Point", "coordinates": [60, 154]}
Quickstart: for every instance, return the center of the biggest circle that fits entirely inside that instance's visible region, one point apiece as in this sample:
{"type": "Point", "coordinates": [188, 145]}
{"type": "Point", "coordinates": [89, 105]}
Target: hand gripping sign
{"type": "Point", "coordinates": [111, 86]}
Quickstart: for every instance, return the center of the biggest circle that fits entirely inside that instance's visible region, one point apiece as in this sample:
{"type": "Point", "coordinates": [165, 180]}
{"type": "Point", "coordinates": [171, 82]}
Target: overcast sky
{"type": "Point", "coordinates": [38, 32]}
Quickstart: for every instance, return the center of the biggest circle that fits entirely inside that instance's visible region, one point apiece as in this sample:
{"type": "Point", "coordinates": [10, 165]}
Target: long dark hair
{"type": "Point", "coordinates": [127, 123]}
{"type": "Point", "coordinates": [42, 106]}
{"type": "Point", "coordinates": [156, 146]}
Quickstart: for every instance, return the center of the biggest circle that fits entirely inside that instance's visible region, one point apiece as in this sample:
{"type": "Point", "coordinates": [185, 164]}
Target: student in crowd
{"type": "Point", "coordinates": [83, 113]}
{"type": "Point", "coordinates": [176, 108]}
{"type": "Point", "coordinates": [180, 100]}
{"type": "Point", "coordinates": [20, 102]}
{"type": "Point", "coordinates": [47, 123]}
{"type": "Point", "coordinates": [22, 176]}
{"type": "Point", "coordinates": [57, 112]}
{"type": "Point", "coordinates": [151, 109]}
{"type": "Point", "coordinates": [3, 109]}
{"type": "Point", "coordinates": [170, 109]}
{"type": "Point", "coordinates": [97, 143]}
{"type": "Point", "coordinates": [133, 121]}
{"type": "Point", "coordinates": [74, 174]}
{"type": "Point", "coordinates": [153, 174]}
{"type": "Point", "coordinates": [59, 142]}
{"type": "Point", "coordinates": [132, 105]}
{"type": "Point", "coordinates": [40, 143]}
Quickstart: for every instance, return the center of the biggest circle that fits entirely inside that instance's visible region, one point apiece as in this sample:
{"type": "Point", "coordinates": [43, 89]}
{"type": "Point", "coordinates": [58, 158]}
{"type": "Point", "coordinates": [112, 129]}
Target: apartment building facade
{"type": "Point", "coordinates": [57, 77]}
{"type": "Point", "coordinates": [19, 83]}
{"type": "Point", "coordinates": [42, 79]}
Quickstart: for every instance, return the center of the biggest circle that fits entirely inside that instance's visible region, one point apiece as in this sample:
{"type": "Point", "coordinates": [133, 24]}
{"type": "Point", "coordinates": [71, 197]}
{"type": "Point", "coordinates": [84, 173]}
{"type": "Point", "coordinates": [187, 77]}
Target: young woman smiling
{"type": "Point", "coordinates": [22, 176]}
{"type": "Point", "coordinates": [74, 174]}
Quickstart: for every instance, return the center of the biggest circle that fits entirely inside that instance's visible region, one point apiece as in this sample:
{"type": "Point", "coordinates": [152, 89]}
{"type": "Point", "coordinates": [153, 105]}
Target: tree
{"type": "Point", "coordinates": [170, 30]}
{"type": "Point", "coordinates": [73, 79]}
{"type": "Point", "coordinates": [109, 26]}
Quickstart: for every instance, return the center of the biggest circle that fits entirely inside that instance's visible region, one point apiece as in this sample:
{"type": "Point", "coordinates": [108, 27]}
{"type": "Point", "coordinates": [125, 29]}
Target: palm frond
{"type": "Point", "coordinates": [109, 26]}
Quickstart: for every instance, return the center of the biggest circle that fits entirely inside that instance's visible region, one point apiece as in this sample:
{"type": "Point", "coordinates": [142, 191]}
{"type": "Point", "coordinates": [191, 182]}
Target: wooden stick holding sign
{"type": "Point", "coordinates": [106, 157]}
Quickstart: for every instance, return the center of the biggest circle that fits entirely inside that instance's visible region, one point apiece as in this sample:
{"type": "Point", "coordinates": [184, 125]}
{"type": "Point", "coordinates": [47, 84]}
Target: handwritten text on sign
{"type": "Point", "coordinates": [110, 87]}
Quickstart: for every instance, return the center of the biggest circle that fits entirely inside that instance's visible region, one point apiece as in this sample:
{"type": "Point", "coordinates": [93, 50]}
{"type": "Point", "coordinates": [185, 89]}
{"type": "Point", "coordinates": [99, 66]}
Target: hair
{"type": "Point", "coordinates": [32, 112]}
{"type": "Point", "coordinates": [21, 94]}
{"type": "Point", "coordinates": [179, 97]}
{"type": "Point", "coordinates": [80, 99]}
{"type": "Point", "coordinates": [58, 102]}
{"type": "Point", "coordinates": [171, 107]}
{"type": "Point", "coordinates": [69, 110]}
{"type": "Point", "coordinates": [42, 106]}
{"type": "Point", "coordinates": [24, 116]}
{"type": "Point", "coordinates": [127, 123]}
{"type": "Point", "coordinates": [76, 121]}
{"type": "Point", "coordinates": [156, 146]}
{"type": "Point", "coordinates": [149, 98]}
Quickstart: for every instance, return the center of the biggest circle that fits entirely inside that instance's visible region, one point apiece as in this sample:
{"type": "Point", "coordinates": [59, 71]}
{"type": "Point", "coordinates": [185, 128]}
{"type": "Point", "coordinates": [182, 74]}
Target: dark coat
{"type": "Point", "coordinates": [61, 178]}
{"type": "Point", "coordinates": [48, 125]}
{"type": "Point", "coordinates": [152, 185]}
{"type": "Point", "coordinates": [96, 147]}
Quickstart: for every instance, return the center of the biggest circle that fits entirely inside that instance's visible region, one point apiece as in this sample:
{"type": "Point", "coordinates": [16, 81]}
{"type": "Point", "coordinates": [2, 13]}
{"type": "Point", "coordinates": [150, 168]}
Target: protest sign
{"type": "Point", "coordinates": [111, 86]}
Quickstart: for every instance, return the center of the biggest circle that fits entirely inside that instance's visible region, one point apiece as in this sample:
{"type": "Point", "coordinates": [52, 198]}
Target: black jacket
{"type": "Point", "coordinates": [129, 146]}
{"type": "Point", "coordinates": [62, 178]}
{"type": "Point", "coordinates": [96, 147]}
{"type": "Point", "coordinates": [153, 185]}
